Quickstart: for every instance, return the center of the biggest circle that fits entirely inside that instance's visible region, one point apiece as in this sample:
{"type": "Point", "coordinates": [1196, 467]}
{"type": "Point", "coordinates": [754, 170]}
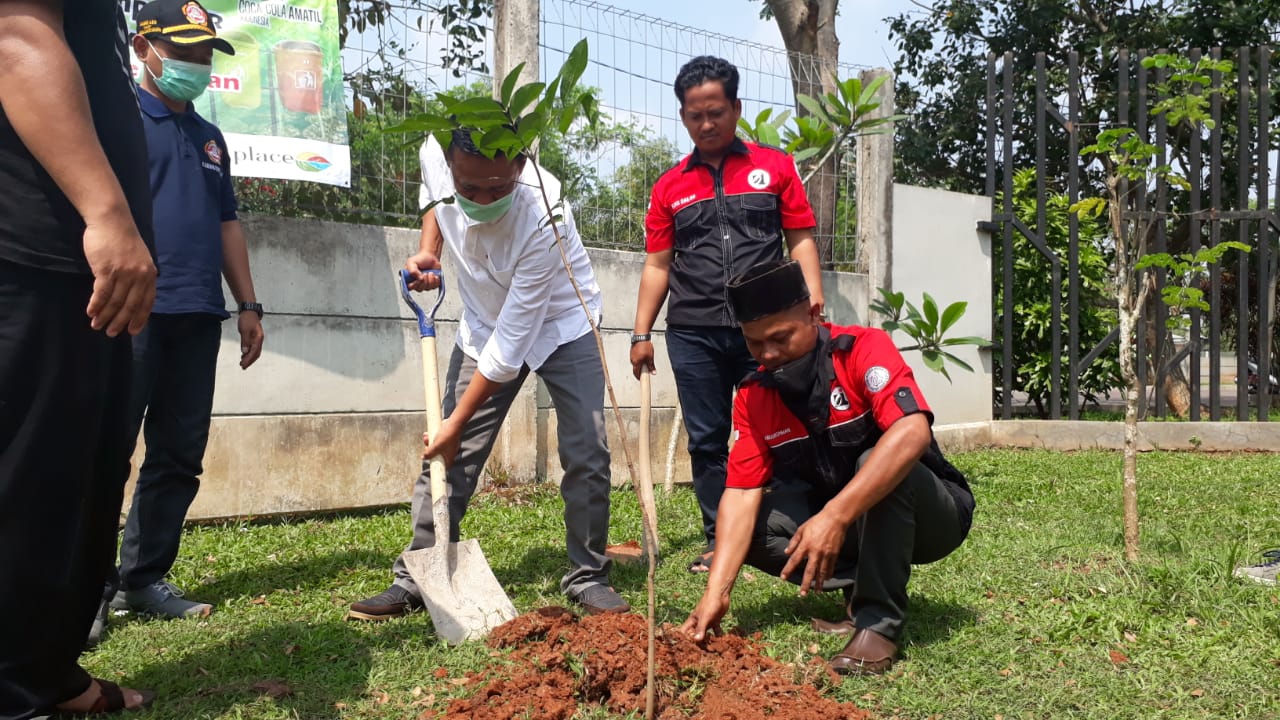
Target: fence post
{"type": "Point", "coordinates": [515, 40]}
{"type": "Point", "coordinates": [875, 193]}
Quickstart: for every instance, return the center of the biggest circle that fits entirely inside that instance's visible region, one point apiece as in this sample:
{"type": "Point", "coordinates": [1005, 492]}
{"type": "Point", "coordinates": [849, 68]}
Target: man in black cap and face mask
{"type": "Point", "coordinates": [834, 480]}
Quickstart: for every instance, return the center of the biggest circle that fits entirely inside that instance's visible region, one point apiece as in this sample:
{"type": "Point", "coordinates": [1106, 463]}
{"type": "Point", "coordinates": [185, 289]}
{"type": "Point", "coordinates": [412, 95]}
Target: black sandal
{"type": "Point", "coordinates": [702, 564]}
{"type": "Point", "coordinates": [110, 701]}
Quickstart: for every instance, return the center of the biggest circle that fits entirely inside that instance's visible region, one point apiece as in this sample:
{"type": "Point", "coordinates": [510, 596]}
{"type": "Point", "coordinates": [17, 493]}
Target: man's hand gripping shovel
{"type": "Point", "coordinates": [458, 587]}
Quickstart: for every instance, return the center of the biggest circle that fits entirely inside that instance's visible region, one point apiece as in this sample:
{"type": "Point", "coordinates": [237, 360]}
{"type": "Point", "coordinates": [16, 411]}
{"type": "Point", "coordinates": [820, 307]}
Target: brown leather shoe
{"type": "Point", "coordinates": [832, 627]}
{"type": "Point", "coordinates": [868, 653]}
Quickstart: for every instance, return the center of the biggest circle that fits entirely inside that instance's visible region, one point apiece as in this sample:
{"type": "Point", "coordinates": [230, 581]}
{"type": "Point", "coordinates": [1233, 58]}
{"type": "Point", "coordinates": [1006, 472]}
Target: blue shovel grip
{"type": "Point", "coordinates": [426, 321]}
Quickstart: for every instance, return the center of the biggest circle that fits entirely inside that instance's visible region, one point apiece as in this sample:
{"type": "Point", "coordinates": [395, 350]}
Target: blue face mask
{"type": "Point", "coordinates": [180, 80]}
{"type": "Point", "coordinates": [485, 213]}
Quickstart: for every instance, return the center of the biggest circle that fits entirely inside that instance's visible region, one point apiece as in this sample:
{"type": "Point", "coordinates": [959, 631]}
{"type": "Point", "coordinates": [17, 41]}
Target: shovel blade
{"type": "Point", "coordinates": [458, 587]}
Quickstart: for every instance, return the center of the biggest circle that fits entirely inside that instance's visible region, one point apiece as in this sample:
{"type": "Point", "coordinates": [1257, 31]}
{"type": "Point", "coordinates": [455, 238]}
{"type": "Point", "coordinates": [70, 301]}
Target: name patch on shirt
{"type": "Point", "coordinates": [683, 201]}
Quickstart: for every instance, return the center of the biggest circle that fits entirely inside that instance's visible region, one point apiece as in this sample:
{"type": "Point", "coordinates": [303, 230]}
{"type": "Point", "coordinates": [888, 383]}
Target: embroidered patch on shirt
{"type": "Point", "coordinates": [839, 400]}
{"type": "Point", "coordinates": [213, 151]}
{"type": "Point", "coordinates": [758, 178]}
{"type": "Point", "coordinates": [876, 378]}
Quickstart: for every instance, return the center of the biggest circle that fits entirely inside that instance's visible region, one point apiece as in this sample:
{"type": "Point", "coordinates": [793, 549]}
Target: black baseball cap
{"type": "Point", "coordinates": [181, 22]}
{"type": "Point", "coordinates": [767, 288]}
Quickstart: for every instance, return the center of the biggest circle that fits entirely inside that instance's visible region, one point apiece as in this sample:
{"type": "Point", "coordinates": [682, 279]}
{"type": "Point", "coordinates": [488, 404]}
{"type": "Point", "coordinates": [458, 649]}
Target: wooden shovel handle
{"type": "Point", "coordinates": [431, 395]}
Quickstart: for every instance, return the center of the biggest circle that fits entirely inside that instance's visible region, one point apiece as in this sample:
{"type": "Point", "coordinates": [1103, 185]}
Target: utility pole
{"type": "Point", "coordinates": [875, 192]}
{"type": "Point", "coordinates": [515, 40]}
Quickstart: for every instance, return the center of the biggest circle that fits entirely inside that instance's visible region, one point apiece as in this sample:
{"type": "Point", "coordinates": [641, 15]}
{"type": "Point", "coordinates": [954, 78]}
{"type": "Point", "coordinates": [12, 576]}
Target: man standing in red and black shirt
{"type": "Point", "coordinates": [835, 481]}
{"type": "Point", "coordinates": [728, 206]}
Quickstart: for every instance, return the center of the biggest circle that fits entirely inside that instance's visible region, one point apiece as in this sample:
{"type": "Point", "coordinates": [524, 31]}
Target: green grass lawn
{"type": "Point", "coordinates": [1036, 616]}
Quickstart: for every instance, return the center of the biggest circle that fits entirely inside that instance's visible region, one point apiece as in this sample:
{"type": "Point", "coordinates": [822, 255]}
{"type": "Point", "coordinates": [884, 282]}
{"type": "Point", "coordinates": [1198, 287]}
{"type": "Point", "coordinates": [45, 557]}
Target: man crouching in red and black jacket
{"type": "Point", "coordinates": [834, 480]}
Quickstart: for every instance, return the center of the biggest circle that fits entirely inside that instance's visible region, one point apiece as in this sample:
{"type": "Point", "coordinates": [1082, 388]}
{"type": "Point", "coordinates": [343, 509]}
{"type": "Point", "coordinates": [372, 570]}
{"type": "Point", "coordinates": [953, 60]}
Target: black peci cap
{"type": "Point", "coordinates": [181, 22]}
{"type": "Point", "coordinates": [767, 288]}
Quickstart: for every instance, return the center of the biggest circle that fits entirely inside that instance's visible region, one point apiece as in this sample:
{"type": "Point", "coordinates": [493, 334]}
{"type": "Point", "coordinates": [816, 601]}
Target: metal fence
{"type": "Point", "coordinates": [393, 66]}
{"type": "Point", "coordinates": [1228, 354]}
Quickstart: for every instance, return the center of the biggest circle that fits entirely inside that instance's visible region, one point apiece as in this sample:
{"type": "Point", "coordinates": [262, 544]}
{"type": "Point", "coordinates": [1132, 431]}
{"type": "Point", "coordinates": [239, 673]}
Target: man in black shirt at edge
{"type": "Point", "coordinates": [77, 278]}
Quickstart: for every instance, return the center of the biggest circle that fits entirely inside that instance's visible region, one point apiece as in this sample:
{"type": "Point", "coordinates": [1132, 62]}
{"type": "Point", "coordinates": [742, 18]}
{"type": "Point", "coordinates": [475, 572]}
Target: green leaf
{"type": "Point", "coordinates": [566, 118]}
{"type": "Point", "coordinates": [477, 105]}
{"type": "Point", "coordinates": [573, 67]}
{"type": "Point", "coordinates": [953, 313]}
{"type": "Point", "coordinates": [769, 135]}
{"type": "Point", "coordinates": [966, 340]}
{"type": "Point", "coordinates": [815, 108]}
{"type": "Point", "coordinates": [958, 361]}
{"type": "Point", "coordinates": [806, 153]}
{"type": "Point", "coordinates": [932, 359]}
{"type": "Point", "coordinates": [500, 140]}
{"type": "Point", "coordinates": [523, 96]}
{"type": "Point", "coordinates": [930, 311]}
{"type": "Point", "coordinates": [868, 94]}
{"type": "Point", "coordinates": [509, 84]}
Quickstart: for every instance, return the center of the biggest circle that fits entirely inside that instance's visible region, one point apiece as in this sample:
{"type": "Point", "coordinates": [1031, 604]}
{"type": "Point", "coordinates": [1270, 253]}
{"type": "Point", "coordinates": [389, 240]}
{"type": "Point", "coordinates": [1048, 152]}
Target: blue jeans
{"type": "Point", "coordinates": [708, 362]}
{"type": "Point", "coordinates": [175, 358]}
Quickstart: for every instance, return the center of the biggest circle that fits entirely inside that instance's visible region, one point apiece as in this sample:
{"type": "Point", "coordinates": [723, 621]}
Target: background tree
{"type": "Point", "coordinates": [808, 29]}
{"type": "Point", "coordinates": [942, 73]}
{"type": "Point", "coordinates": [1133, 170]}
{"type": "Point", "coordinates": [942, 68]}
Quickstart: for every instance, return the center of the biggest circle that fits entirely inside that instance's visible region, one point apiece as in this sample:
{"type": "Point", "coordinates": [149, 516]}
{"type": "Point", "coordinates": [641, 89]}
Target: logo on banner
{"type": "Point", "coordinates": [195, 14]}
{"type": "Point", "coordinates": [311, 162]}
{"type": "Point", "coordinates": [758, 179]}
{"type": "Point", "coordinates": [213, 151]}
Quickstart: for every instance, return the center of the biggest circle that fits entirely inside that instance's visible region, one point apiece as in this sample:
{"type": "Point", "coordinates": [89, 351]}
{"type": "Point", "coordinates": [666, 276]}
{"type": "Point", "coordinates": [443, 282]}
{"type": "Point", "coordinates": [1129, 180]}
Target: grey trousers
{"type": "Point", "coordinates": [575, 381]}
{"type": "Point", "coordinates": [917, 523]}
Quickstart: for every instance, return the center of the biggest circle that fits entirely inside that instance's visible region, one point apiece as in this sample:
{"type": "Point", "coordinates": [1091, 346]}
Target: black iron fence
{"type": "Point", "coordinates": [1219, 363]}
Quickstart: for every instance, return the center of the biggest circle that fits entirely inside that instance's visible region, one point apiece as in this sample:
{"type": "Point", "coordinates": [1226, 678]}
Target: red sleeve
{"type": "Point", "coordinates": [659, 223]}
{"type": "Point", "coordinates": [880, 372]}
{"type": "Point", "coordinates": [750, 463]}
{"type": "Point", "coordinates": [793, 202]}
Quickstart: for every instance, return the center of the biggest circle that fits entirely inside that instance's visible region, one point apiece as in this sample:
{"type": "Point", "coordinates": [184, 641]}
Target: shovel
{"type": "Point", "coordinates": [457, 584]}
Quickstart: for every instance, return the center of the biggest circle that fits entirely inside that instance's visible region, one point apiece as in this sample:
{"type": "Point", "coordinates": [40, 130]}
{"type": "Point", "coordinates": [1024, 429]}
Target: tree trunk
{"type": "Point", "coordinates": [809, 32]}
{"type": "Point", "coordinates": [1133, 394]}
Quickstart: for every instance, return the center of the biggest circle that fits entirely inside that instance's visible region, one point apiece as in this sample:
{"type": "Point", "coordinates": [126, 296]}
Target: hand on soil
{"type": "Point", "coordinates": [706, 617]}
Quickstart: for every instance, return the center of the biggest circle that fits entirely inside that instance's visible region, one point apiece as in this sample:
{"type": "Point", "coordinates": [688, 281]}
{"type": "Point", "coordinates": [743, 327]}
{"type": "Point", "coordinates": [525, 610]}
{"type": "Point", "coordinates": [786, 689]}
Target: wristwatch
{"type": "Point", "coordinates": [639, 338]}
{"type": "Point", "coordinates": [256, 307]}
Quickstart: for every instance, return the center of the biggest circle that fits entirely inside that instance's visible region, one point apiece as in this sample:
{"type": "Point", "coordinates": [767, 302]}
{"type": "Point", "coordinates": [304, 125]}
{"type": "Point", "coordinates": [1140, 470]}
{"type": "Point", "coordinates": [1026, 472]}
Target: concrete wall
{"type": "Point", "coordinates": [937, 249]}
{"type": "Point", "coordinates": [331, 416]}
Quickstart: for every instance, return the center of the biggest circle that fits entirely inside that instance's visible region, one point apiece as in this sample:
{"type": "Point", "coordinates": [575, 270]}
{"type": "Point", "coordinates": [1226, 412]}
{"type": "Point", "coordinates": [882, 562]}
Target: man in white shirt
{"type": "Point", "coordinates": [520, 314]}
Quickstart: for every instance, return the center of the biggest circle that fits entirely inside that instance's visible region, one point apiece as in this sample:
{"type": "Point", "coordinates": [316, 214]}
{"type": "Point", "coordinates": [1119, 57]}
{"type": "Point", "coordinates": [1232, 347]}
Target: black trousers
{"type": "Point", "coordinates": [175, 360]}
{"type": "Point", "coordinates": [64, 399]}
{"type": "Point", "coordinates": [917, 523]}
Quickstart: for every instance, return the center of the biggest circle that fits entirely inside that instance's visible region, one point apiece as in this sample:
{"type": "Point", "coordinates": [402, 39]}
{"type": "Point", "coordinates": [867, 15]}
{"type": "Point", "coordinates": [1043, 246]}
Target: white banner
{"type": "Point", "coordinates": [287, 158]}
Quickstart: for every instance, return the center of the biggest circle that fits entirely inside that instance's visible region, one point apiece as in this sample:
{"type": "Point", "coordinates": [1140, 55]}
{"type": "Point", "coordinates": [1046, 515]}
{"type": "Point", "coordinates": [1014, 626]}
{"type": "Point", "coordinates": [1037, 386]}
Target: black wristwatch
{"type": "Point", "coordinates": [256, 307]}
{"type": "Point", "coordinates": [639, 338]}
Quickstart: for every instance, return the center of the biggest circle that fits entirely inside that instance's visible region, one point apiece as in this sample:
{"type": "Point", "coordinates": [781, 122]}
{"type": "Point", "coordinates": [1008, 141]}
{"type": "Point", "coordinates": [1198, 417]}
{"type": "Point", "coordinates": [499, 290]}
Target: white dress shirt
{"type": "Point", "coordinates": [518, 304]}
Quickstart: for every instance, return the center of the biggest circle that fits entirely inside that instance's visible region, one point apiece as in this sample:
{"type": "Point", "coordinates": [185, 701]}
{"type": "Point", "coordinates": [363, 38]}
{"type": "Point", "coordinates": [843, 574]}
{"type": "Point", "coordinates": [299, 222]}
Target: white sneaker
{"type": "Point", "coordinates": [1265, 573]}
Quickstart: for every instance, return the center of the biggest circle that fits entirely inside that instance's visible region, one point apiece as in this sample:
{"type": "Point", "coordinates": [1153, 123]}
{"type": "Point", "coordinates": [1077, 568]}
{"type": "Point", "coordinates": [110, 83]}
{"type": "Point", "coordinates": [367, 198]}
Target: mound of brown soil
{"type": "Point", "coordinates": [559, 662]}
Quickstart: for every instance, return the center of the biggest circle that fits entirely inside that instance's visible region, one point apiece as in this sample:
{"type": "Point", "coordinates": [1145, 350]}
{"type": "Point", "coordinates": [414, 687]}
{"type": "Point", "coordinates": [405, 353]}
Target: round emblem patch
{"type": "Point", "coordinates": [758, 179]}
{"type": "Point", "coordinates": [839, 400]}
{"type": "Point", "coordinates": [214, 152]}
{"type": "Point", "coordinates": [195, 14]}
{"type": "Point", "coordinates": [876, 378]}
